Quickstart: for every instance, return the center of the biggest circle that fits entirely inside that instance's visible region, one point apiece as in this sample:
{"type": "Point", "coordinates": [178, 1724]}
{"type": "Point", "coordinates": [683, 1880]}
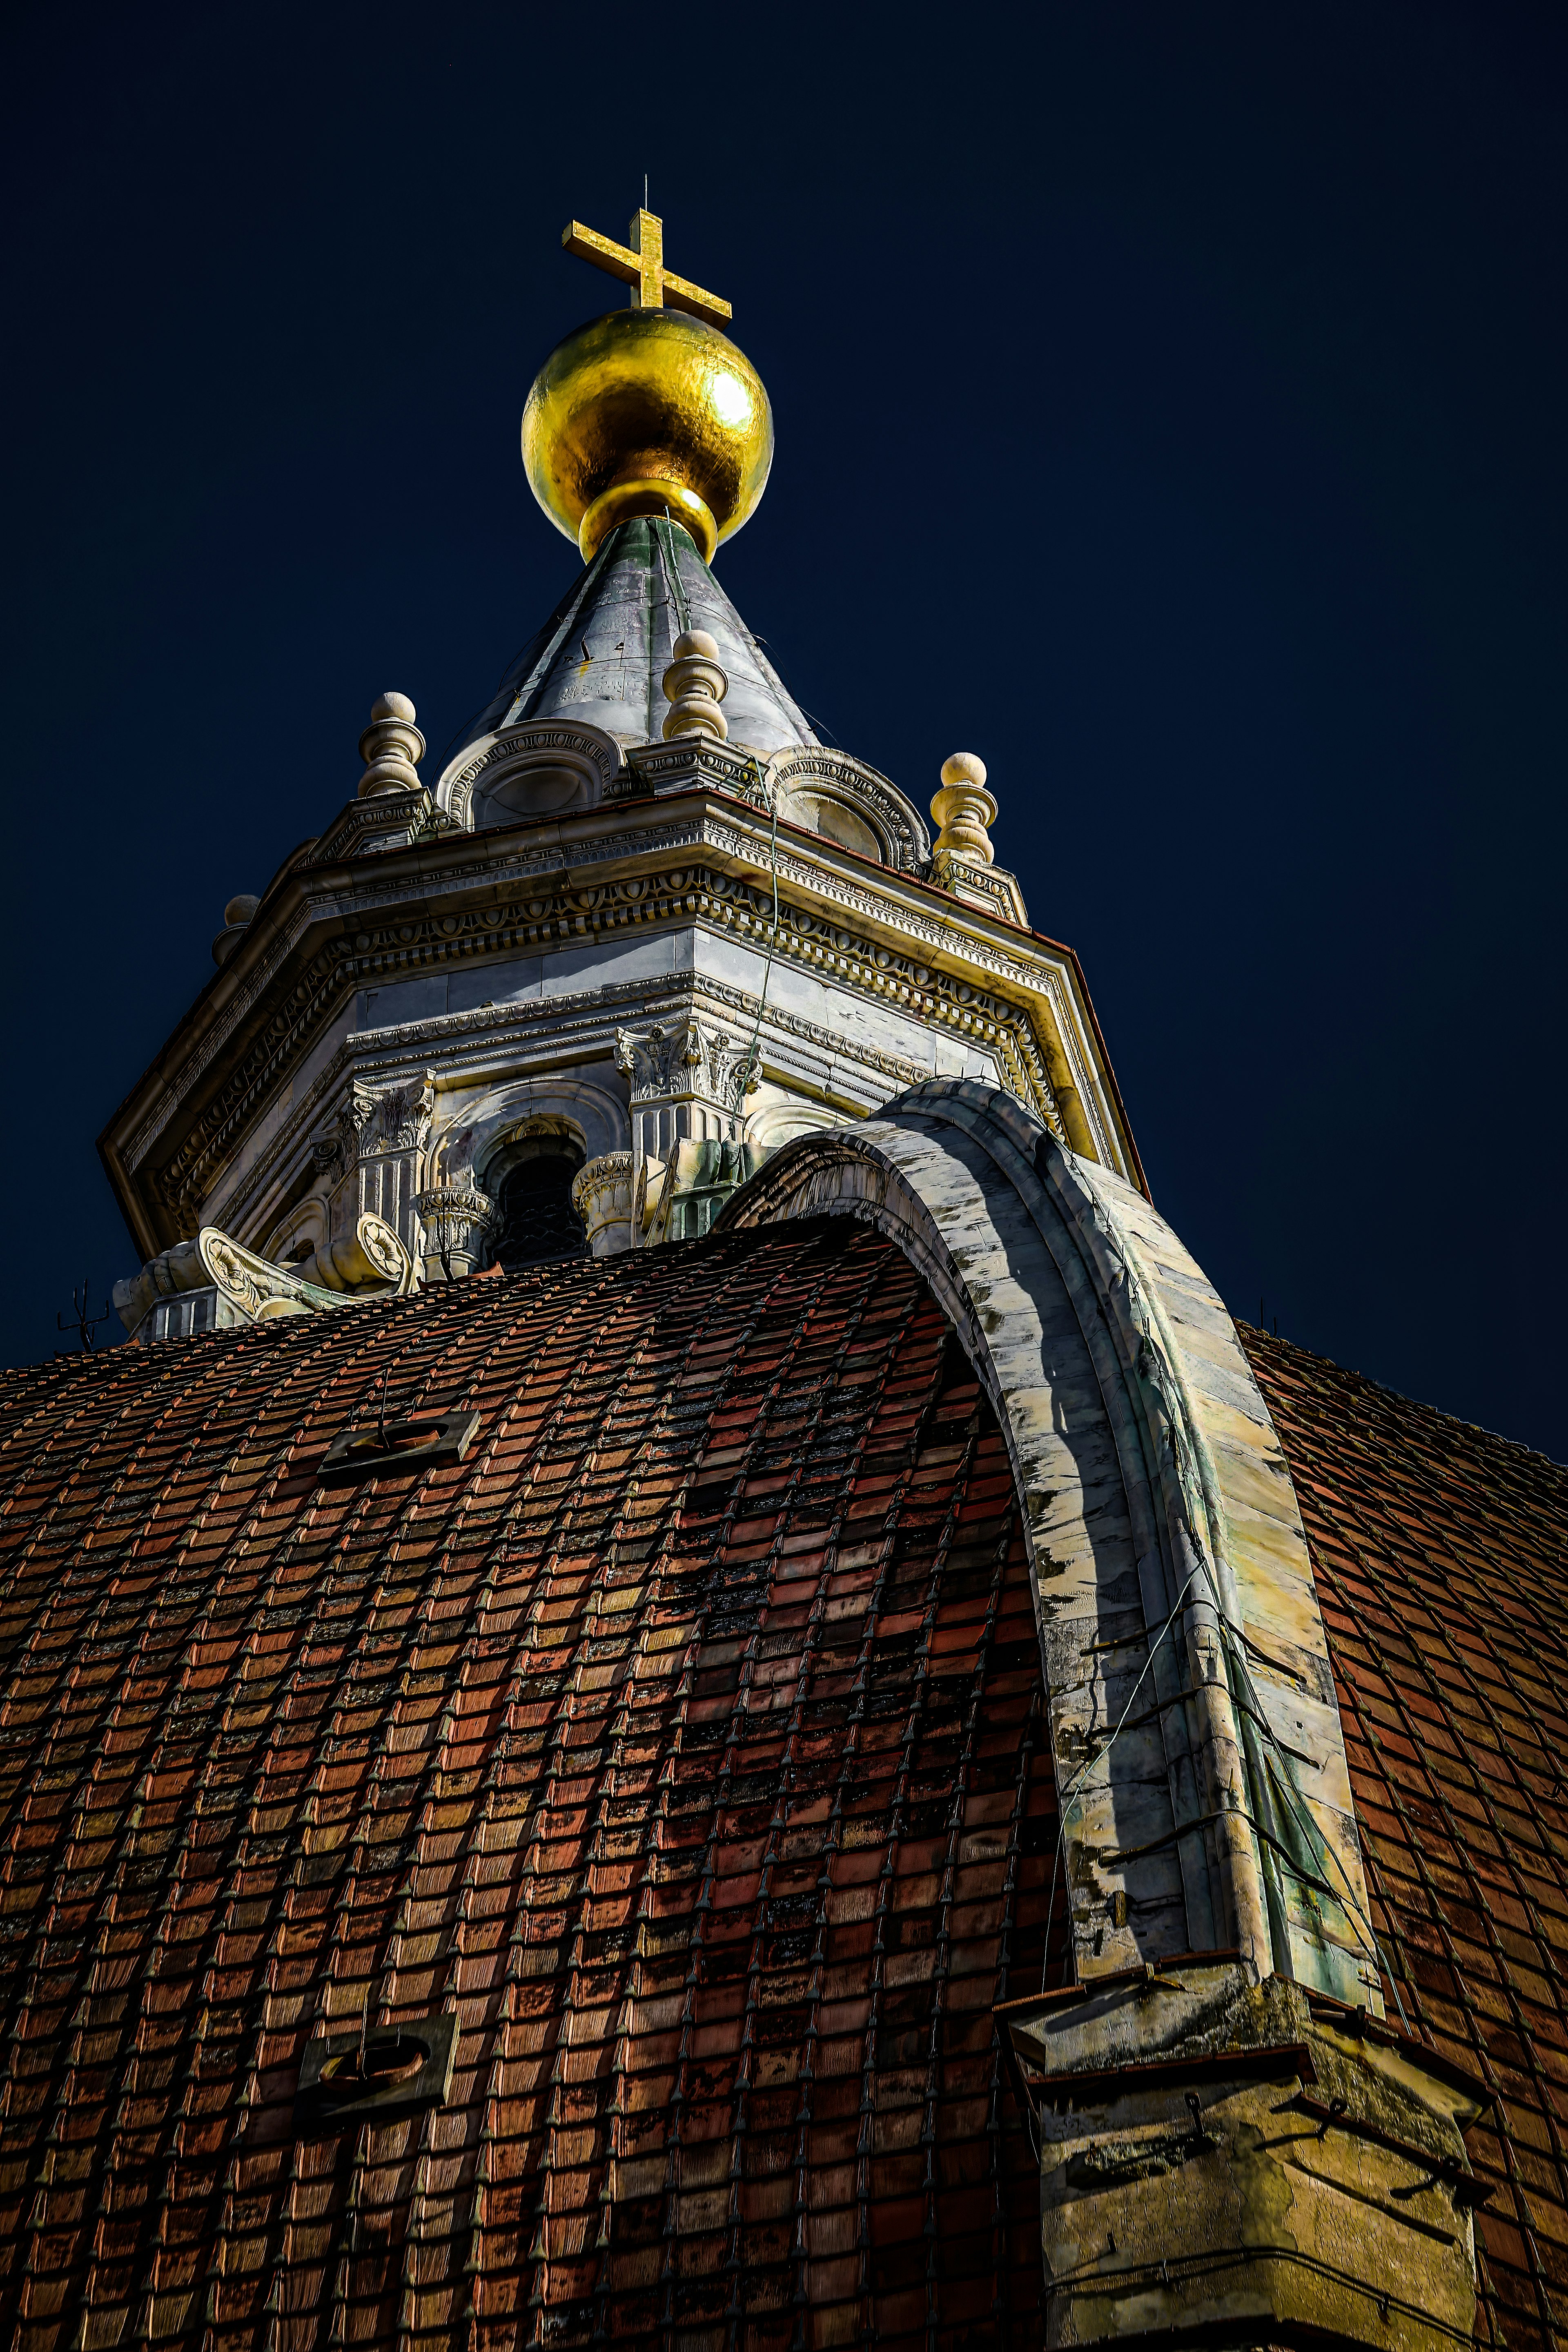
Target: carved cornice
{"type": "Point", "coordinates": [362, 896]}
{"type": "Point", "coordinates": [460, 1046]}
{"type": "Point", "coordinates": [937, 931]}
{"type": "Point", "coordinates": [550, 898]}
{"type": "Point", "coordinates": [518, 867]}
{"type": "Point", "coordinates": [569, 916]}
{"type": "Point", "coordinates": [186, 1177]}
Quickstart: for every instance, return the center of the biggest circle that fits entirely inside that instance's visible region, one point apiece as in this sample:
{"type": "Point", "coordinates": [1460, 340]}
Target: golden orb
{"type": "Point", "coordinates": [648, 413]}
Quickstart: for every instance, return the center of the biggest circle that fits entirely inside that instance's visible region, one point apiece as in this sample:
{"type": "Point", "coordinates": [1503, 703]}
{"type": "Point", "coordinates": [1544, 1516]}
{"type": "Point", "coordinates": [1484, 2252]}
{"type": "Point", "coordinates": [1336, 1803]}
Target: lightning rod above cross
{"type": "Point", "coordinates": [640, 263]}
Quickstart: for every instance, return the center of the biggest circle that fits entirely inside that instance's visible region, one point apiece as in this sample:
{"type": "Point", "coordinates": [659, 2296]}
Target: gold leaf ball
{"type": "Point", "coordinates": [648, 413]}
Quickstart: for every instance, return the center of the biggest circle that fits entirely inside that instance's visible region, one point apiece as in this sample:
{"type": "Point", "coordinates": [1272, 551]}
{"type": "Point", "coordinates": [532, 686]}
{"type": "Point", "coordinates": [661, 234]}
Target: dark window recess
{"type": "Point", "coordinates": [535, 1217]}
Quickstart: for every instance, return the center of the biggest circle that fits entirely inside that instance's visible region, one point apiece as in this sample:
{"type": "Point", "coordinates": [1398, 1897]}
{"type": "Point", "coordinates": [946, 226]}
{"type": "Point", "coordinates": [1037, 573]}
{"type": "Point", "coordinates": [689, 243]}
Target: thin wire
{"type": "Point", "coordinates": [1100, 1755]}
{"type": "Point", "coordinates": [1235, 1639]}
{"type": "Point", "coordinates": [1283, 1786]}
{"type": "Point", "coordinates": [1284, 1789]}
{"type": "Point", "coordinates": [752, 1065]}
{"type": "Point", "coordinates": [674, 588]}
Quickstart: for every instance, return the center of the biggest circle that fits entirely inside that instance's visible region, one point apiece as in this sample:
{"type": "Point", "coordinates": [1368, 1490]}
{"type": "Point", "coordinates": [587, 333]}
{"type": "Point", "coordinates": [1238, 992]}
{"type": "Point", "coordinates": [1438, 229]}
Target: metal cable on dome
{"type": "Point", "coordinates": [1101, 1753]}
{"type": "Point", "coordinates": [751, 1071]}
{"type": "Point", "coordinates": [674, 587]}
{"type": "Point", "coordinates": [1230, 1632]}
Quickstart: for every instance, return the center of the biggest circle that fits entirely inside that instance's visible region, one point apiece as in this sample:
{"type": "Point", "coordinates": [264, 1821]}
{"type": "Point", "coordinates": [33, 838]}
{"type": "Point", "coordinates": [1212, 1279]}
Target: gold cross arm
{"type": "Point", "coordinates": [640, 263]}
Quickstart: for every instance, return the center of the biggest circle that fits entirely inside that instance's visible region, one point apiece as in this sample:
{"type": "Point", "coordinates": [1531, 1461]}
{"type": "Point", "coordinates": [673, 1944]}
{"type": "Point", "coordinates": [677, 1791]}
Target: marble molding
{"type": "Point", "coordinates": [1047, 1054]}
{"type": "Point", "coordinates": [1159, 1513]}
{"type": "Point", "coordinates": [1235, 2146]}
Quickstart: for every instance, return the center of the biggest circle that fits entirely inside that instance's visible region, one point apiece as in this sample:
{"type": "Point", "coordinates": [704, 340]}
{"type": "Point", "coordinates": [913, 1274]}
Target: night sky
{"type": "Point", "coordinates": [1170, 408]}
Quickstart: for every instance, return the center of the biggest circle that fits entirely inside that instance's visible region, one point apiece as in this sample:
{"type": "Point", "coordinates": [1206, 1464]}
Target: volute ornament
{"type": "Point", "coordinates": [687, 1059]}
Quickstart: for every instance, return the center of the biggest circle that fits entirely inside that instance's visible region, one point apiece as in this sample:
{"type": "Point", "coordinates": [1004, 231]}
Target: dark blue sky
{"type": "Point", "coordinates": [1171, 408]}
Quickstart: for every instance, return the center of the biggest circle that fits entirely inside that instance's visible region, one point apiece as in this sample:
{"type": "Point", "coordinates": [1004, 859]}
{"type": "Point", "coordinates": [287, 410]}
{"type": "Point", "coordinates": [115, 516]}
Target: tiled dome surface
{"type": "Point", "coordinates": [684, 1739]}
{"type": "Point", "coordinates": [1441, 1558]}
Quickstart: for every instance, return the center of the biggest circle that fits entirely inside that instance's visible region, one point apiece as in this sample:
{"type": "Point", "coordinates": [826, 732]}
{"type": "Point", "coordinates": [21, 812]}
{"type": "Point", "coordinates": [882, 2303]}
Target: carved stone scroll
{"type": "Point", "coordinates": [260, 1290]}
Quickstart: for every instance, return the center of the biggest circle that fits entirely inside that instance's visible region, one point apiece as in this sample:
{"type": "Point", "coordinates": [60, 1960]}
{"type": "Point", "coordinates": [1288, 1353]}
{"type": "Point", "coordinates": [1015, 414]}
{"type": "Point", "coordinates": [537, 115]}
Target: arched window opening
{"type": "Point", "coordinates": [533, 1217]}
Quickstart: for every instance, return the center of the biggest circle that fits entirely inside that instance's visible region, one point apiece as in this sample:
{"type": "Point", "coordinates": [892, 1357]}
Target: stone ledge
{"type": "Point", "coordinates": [1220, 2157]}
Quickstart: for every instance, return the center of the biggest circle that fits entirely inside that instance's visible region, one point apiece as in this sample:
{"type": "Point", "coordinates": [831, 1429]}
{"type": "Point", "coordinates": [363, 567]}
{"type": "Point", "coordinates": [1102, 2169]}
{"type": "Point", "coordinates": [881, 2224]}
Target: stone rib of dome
{"type": "Point", "coordinates": [602, 654]}
{"type": "Point", "coordinates": [683, 1741]}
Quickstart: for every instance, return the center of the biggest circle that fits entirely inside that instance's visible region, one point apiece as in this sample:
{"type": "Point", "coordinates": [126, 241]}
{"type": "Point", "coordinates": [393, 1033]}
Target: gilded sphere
{"type": "Point", "coordinates": [648, 413]}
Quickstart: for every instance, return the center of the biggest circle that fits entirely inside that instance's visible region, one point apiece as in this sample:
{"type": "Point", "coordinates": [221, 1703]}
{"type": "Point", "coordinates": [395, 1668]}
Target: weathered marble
{"type": "Point", "coordinates": [1173, 1584]}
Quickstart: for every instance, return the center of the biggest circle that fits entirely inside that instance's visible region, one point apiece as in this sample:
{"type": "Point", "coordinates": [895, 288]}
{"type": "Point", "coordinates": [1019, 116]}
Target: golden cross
{"type": "Point", "coordinates": [640, 262]}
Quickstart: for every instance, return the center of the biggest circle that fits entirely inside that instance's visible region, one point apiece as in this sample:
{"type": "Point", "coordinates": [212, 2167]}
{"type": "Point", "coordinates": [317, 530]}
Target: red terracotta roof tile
{"type": "Point", "coordinates": [1441, 1559]}
{"type": "Point", "coordinates": [685, 1741]}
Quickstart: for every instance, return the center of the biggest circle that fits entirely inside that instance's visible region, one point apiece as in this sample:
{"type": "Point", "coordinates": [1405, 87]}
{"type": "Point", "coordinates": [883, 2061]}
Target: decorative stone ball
{"type": "Point", "coordinates": [963, 768]}
{"type": "Point", "coordinates": [696, 643]}
{"type": "Point", "coordinates": [648, 413]}
{"type": "Point", "coordinates": [240, 910]}
{"type": "Point", "coordinates": [394, 706]}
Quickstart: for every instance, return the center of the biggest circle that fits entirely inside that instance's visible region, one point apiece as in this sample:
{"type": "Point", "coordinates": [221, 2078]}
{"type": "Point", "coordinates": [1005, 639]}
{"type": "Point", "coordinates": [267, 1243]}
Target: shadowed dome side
{"type": "Point", "coordinates": [602, 654]}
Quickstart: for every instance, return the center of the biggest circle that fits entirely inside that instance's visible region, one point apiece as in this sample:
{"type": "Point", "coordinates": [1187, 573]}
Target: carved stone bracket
{"type": "Point", "coordinates": [370, 1262]}
{"type": "Point", "coordinates": [688, 1058]}
{"type": "Point", "coordinates": [373, 1264]}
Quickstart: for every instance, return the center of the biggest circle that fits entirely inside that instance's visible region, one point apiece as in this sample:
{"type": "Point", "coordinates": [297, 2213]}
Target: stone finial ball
{"type": "Point", "coordinates": [240, 910]}
{"type": "Point", "coordinates": [393, 705]}
{"type": "Point", "coordinates": [696, 643]}
{"type": "Point", "coordinates": [963, 768]}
